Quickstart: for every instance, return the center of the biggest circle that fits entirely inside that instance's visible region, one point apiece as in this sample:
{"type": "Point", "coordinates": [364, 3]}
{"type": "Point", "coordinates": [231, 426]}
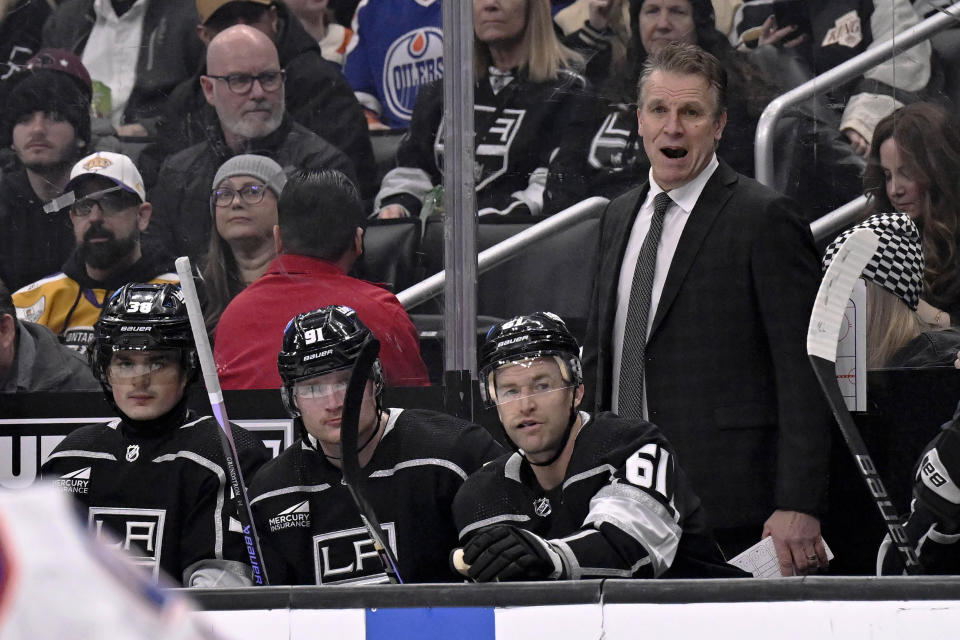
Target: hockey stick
{"type": "Point", "coordinates": [350, 456]}
{"type": "Point", "coordinates": [822, 335]}
{"type": "Point", "coordinates": [212, 383]}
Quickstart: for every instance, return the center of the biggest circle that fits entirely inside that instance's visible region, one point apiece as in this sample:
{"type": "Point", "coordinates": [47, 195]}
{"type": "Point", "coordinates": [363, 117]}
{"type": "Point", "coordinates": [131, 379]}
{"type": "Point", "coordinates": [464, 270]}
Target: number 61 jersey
{"type": "Point", "coordinates": [624, 508]}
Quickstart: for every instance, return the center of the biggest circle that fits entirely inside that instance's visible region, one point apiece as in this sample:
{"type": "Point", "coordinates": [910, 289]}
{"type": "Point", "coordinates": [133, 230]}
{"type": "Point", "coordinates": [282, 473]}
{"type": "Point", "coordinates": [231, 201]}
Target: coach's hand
{"type": "Point", "coordinates": [796, 538]}
{"type": "Point", "coordinates": [504, 552]}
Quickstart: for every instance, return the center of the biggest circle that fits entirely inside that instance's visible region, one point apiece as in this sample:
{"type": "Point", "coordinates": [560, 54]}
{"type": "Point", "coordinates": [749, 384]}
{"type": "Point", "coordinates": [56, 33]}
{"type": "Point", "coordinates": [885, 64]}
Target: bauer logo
{"type": "Point", "coordinates": [74, 482]}
{"type": "Point", "coordinates": [349, 556]}
{"type": "Point", "coordinates": [413, 60]}
{"type": "Point", "coordinates": [137, 532]}
{"type": "Point", "coordinates": [296, 516]}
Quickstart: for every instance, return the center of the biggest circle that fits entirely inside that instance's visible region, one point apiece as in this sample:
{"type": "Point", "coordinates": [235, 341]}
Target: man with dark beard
{"type": "Point", "coordinates": [46, 124]}
{"type": "Point", "coordinates": [109, 211]}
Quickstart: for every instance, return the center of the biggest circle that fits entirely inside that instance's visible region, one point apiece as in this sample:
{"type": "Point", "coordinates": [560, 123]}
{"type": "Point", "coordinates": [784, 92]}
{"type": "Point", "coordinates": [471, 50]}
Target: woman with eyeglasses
{"type": "Point", "coordinates": [243, 204]}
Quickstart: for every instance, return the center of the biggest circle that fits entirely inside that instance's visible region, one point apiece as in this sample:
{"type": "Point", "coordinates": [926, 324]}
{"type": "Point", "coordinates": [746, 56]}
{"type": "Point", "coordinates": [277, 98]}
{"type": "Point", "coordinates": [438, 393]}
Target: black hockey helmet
{"type": "Point", "coordinates": [143, 317]}
{"type": "Point", "coordinates": [538, 335]}
{"type": "Point", "coordinates": [319, 342]}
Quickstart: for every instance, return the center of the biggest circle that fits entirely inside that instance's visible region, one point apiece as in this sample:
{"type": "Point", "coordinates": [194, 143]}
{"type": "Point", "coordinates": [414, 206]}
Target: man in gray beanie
{"type": "Point", "coordinates": [46, 121]}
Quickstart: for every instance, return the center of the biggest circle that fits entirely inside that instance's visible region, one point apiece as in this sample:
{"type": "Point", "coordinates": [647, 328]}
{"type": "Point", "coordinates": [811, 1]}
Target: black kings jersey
{"type": "Point", "coordinates": [624, 509]}
{"type": "Point", "coordinates": [164, 496]}
{"type": "Point", "coordinates": [311, 530]}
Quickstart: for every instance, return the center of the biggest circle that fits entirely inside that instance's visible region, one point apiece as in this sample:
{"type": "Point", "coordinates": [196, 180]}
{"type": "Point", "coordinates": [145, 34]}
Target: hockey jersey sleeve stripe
{"type": "Point", "coordinates": [479, 524]}
{"type": "Point", "coordinates": [421, 462]}
{"type": "Point", "coordinates": [592, 539]}
{"type": "Point", "coordinates": [218, 471]}
{"type": "Point", "coordinates": [589, 473]}
{"type": "Point", "coordinates": [79, 453]}
{"type": "Point", "coordinates": [313, 488]}
{"type": "Point", "coordinates": [641, 517]}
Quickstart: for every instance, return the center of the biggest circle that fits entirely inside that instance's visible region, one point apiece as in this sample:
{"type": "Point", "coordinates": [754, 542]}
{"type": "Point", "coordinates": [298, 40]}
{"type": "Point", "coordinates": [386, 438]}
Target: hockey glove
{"type": "Point", "coordinates": [504, 552]}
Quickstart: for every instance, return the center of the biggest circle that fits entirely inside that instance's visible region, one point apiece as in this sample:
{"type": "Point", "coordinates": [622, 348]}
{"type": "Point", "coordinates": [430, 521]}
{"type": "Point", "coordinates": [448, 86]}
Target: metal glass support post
{"type": "Point", "coordinates": [460, 217]}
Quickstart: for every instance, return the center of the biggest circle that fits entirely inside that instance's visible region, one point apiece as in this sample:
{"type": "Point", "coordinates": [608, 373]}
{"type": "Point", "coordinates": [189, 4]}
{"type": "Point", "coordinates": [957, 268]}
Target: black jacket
{"type": "Point", "coordinates": [181, 198]}
{"type": "Point", "coordinates": [317, 97]}
{"type": "Point", "coordinates": [170, 51]}
{"type": "Point", "coordinates": [33, 244]}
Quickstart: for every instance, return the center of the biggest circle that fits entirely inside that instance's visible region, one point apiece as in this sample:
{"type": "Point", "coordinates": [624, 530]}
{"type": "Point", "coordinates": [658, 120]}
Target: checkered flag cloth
{"type": "Point", "coordinates": [897, 266]}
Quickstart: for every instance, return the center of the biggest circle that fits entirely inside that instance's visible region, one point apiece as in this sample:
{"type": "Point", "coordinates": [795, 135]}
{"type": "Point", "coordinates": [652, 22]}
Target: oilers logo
{"type": "Point", "coordinates": [414, 59]}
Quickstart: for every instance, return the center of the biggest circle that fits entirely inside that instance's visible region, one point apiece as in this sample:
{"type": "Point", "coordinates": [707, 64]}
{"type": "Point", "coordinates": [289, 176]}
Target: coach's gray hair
{"type": "Point", "coordinates": [687, 59]}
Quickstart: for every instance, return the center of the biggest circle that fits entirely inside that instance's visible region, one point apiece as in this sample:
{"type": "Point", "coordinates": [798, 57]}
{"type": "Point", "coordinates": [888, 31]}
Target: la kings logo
{"type": "Point", "coordinates": [348, 556]}
{"type": "Point", "coordinates": [495, 134]}
{"type": "Point", "coordinates": [296, 516]}
{"type": "Point", "coordinates": [140, 532]}
{"type": "Point", "coordinates": [74, 482]}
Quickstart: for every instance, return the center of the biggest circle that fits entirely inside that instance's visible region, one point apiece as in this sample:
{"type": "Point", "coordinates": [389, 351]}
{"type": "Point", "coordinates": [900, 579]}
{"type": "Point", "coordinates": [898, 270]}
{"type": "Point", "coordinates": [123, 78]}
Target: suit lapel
{"type": "Point", "coordinates": [712, 200]}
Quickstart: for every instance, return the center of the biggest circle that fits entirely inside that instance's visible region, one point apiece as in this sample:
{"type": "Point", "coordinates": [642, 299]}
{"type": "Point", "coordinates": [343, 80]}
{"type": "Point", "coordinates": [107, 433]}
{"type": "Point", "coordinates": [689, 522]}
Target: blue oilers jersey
{"type": "Point", "coordinates": [397, 47]}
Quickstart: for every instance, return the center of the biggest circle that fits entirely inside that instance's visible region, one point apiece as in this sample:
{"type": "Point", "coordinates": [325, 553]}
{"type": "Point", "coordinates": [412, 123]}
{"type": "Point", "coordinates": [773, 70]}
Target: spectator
{"type": "Point", "coordinates": [245, 84]}
{"type": "Point", "coordinates": [318, 20]}
{"type": "Point", "coordinates": [524, 91]}
{"type": "Point", "coordinates": [896, 336]}
{"type": "Point", "coordinates": [319, 237]}
{"type": "Point", "coordinates": [913, 167]}
{"type": "Point", "coordinates": [31, 358]}
{"type": "Point", "coordinates": [600, 31]}
{"type": "Point", "coordinates": [388, 61]}
{"type": "Point", "coordinates": [413, 462]}
{"type": "Point", "coordinates": [160, 51]}
{"type": "Point", "coordinates": [707, 336]}
{"type": "Point", "coordinates": [109, 212]}
{"type": "Point", "coordinates": [838, 31]}
{"type": "Point", "coordinates": [316, 94]}
{"type": "Point", "coordinates": [172, 508]}
{"type": "Point", "coordinates": [47, 124]}
{"type": "Point", "coordinates": [577, 499]}
{"type": "Point", "coordinates": [21, 22]}
{"type": "Point", "coordinates": [244, 208]}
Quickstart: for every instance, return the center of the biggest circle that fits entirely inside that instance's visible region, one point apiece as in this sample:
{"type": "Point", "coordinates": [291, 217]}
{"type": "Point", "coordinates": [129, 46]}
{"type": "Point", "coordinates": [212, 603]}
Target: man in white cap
{"type": "Point", "coordinates": [109, 211]}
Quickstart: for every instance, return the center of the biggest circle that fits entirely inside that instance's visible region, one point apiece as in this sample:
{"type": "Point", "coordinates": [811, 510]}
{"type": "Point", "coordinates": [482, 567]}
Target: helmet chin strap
{"type": "Point", "coordinates": [563, 440]}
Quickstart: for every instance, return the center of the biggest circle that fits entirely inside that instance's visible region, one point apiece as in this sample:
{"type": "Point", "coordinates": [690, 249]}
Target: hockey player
{"type": "Point", "coordinates": [583, 496]}
{"type": "Point", "coordinates": [934, 522]}
{"type": "Point", "coordinates": [413, 462]}
{"type": "Point", "coordinates": [156, 477]}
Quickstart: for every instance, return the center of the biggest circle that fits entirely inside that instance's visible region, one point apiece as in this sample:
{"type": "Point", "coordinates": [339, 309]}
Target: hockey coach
{"type": "Point", "coordinates": [583, 496]}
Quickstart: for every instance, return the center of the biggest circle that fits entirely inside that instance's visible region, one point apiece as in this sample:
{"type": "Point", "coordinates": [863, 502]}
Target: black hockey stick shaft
{"type": "Point", "coordinates": [212, 383]}
{"type": "Point", "coordinates": [822, 335]}
{"type": "Point", "coordinates": [350, 456]}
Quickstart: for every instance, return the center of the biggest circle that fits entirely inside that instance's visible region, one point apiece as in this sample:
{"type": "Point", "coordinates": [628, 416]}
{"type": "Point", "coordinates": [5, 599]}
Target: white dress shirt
{"type": "Point", "coordinates": [684, 199]}
{"type": "Point", "coordinates": [112, 51]}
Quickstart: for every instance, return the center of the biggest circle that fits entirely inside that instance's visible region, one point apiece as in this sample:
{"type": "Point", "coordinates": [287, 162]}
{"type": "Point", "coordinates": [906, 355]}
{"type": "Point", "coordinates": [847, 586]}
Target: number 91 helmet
{"type": "Point", "coordinates": [538, 335]}
{"type": "Point", "coordinates": [323, 341]}
{"type": "Point", "coordinates": [143, 317]}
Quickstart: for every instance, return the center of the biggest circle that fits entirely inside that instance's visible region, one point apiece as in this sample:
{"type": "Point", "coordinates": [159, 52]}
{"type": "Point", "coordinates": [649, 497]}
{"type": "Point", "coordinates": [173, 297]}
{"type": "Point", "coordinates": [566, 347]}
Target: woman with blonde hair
{"type": "Point", "coordinates": [527, 93]}
{"type": "Point", "coordinates": [896, 335]}
{"type": "Point", "coordinates": [243, 204]}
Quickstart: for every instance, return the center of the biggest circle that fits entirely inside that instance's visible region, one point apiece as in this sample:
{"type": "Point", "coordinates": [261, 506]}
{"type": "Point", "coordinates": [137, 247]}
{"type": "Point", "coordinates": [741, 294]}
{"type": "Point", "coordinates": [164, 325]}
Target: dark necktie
{"type": "Point", "coordinates": [633, 355]}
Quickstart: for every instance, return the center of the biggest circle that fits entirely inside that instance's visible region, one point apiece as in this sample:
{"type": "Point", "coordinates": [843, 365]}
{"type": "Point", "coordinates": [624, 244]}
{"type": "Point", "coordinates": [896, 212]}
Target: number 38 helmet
{"type": "Point", "coordinates": [143, 317]}
{"type": "Point", "coordinates": [320, 342]}
{"type": "Point", "coordinates": [538, 335]}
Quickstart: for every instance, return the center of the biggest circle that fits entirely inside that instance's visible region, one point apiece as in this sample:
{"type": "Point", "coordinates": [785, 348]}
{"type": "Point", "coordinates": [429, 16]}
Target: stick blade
{"type": "Point", "coordinates": [835, 289]}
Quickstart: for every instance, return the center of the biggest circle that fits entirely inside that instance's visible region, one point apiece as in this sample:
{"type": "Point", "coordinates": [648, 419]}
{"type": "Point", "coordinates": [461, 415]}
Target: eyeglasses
{"type": "Point", "coordinates": [111, 202]}
{"type": "Point", "coordinates": [251, 194]}
{"type": "Point", "coordinates": [242, 82]}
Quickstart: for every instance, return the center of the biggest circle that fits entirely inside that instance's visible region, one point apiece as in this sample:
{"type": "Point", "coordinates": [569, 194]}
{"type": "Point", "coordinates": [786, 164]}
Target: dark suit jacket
{"type": "Point", "coordinates": [728, 379]}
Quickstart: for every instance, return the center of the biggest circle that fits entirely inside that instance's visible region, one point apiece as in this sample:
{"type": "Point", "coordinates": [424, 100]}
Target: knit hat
{"type": "Point", "coordinates": [897, 265]}
{"type": "Point", "coordinates": [116, 167]}
{"type": "Point", "coordinates": [260, 167]}
{"type": "Point", "coordinates": [65, 62]}
{"type": "Point", "coordinates": [50, 92]}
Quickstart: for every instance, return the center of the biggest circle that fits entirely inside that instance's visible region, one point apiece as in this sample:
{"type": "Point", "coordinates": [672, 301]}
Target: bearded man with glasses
{"type": "Point", "coordinates": [109, 212]}
{"type": "Point", "coordinates": [244, 84]}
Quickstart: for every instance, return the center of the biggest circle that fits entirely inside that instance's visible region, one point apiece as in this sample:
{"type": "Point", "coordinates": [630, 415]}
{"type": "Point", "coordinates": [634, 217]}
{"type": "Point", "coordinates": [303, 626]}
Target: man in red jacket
{"type": "Point", "coordinates": [319, 236]}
